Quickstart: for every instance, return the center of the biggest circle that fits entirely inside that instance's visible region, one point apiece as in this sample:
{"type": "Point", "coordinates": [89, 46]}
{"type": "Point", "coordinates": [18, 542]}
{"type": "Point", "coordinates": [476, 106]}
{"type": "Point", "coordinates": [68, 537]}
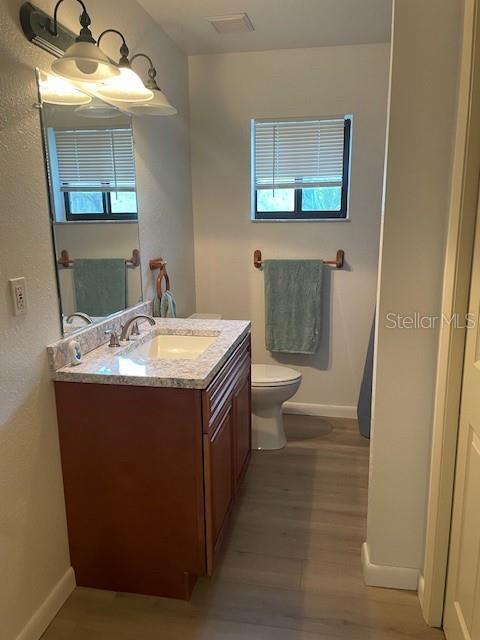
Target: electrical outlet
{"type": "Point", "coordinates": [19, 295]}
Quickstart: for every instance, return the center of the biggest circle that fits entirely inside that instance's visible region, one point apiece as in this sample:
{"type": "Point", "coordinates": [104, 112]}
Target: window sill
{"type": "Point", "coordinates": [303, 220]}
{"type": "Point", "coordinates": [76, 222]}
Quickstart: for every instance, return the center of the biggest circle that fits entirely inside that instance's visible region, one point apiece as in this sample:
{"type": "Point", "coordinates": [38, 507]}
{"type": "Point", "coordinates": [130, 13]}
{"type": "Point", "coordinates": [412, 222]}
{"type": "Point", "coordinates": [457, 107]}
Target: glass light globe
{"type": "Point", "coordinates": [127, 87]}
{"type": "Point", "coordinates": [85, 62]}
{"type": "Point", "coordinates": [55, 90]}
{"type": "Point", "coordinates": [98, 110]}
{"type": "Point", "coordinates": [158, 106]}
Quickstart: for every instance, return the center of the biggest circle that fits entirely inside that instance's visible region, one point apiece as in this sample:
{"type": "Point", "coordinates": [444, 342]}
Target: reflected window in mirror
{"type": "Point", "coordinates": [92, 173]}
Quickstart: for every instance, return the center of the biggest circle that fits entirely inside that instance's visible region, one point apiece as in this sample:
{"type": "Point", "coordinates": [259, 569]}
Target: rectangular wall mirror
{"type": "Point", "coordinates": [90, 168]}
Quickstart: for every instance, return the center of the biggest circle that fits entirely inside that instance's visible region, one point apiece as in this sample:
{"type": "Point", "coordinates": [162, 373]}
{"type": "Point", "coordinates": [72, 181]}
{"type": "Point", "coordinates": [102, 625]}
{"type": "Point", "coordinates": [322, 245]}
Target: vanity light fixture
{"type": "Point", "coordinates": [159, 105]}
{"type": "Point", "coordinates": [58, 91]}
{"type": "Point", "coordinates": [98, 109]}
{"type": "Point", "coordinates": [79, 58]}
{"type": "Point", "coordinates": [126, 87]}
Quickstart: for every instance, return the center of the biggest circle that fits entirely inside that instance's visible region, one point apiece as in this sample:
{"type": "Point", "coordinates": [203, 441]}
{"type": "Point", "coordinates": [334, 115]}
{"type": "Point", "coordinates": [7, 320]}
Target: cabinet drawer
{"type": "Point", "coordinates": [218, 394]}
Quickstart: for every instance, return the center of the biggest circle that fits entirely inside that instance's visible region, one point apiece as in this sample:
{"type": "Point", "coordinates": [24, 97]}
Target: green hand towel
{"type": "Point", "coordinates": [293, 305]}
{"type": "Point", "coordinates": [168, 306]}
{"type": "Point", "coordinates": [100, 285]}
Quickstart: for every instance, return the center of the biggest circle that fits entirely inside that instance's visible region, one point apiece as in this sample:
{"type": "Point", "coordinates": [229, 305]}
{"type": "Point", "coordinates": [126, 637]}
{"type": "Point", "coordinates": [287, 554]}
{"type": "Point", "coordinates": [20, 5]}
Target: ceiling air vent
{"type": "Point", "coordinates": [235, 23]}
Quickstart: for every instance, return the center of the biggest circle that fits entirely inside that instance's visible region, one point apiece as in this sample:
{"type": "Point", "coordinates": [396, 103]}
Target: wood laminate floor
{"type": "Point", "coordinates": [291, 566]}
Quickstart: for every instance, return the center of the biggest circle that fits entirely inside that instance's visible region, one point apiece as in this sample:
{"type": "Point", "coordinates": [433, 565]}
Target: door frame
{"type": "Point", "coordinates": [456, 289]}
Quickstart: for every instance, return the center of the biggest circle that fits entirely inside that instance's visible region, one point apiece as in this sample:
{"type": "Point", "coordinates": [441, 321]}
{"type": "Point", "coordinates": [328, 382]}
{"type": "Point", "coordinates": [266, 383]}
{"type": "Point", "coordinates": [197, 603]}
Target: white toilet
{"type": "Point", "coordinates": [272, 385]}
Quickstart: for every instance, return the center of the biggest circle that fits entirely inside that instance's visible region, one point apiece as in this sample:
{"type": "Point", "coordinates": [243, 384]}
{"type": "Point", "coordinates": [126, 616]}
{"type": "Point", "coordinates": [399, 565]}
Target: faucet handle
{"type": "Point", "coordinates": [114, 341]}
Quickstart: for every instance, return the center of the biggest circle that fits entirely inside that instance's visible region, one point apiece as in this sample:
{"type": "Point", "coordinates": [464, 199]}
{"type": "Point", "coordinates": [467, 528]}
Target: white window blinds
{"type": "Point", "coordinates": [95, 159]}
{"type": "Point", "coordinates": [299, 154]}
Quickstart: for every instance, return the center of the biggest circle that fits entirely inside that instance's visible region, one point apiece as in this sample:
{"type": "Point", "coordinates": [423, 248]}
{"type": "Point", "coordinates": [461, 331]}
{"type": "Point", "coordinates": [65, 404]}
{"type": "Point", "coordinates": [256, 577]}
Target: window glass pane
{"type": "Point", "coordinates": [123, 202]}
{"type": "Point", "coordinates": [278, 200]}
{"type": "Point", "coordinates": [85, 202]}
{"type": "Point", "coordinates": [322, 199]}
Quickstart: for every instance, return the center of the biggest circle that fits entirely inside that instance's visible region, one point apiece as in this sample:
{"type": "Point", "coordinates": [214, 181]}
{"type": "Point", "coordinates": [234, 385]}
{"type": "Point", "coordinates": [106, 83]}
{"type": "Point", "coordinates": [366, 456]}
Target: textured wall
{"type": "Point", "coordinates": [33, 543]}
{"type": "Point", "coordinates": [226, 91]}
{"type": "Point", "coordinates": [423, 96]}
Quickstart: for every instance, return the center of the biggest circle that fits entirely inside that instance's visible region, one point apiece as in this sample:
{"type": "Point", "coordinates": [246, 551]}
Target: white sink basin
{"type": "Point", "coordinates": [173, 347]}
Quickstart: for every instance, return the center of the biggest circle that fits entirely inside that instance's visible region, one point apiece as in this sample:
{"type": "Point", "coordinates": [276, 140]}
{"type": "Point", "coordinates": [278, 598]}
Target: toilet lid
{"type": "Point", "coordinates": [273, 375]}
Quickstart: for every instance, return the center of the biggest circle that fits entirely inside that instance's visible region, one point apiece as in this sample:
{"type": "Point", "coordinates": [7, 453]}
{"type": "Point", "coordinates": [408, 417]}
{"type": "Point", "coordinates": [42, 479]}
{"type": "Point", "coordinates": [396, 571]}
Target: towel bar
{"type": "Point", "coordinates": [338, 263]}
{"type": "Point", "coordinates": [65, 261]}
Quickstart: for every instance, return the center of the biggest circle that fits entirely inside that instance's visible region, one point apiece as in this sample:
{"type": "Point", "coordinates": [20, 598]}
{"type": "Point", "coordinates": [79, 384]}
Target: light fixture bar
{"type": "Point", "coordinates": [152, 72]}
{"type": "Point", "coordinates": [35, 23]}
{"type": "Point", "coordinates": [77, 57]}
{"type": "Point", "coordinates": [124, 51]}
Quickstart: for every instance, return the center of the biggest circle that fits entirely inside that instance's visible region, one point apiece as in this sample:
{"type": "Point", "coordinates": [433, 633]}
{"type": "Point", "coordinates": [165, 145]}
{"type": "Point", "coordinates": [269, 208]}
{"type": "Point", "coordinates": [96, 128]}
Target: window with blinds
{"type": "Point", "coordinates": [96, 173]}
{"type": "Point", "coordinates": [300, 168]}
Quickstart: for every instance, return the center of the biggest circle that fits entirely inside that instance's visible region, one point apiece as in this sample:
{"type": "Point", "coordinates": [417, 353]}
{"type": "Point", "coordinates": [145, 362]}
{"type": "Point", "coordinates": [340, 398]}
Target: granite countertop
{"type": "Point", "coordinates": [121, 365]}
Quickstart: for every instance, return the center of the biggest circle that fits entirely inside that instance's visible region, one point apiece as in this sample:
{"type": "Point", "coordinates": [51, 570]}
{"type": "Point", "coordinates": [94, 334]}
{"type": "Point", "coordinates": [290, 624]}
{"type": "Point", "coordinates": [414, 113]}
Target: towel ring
{"type": "Point", "coordinates": [160, 263]}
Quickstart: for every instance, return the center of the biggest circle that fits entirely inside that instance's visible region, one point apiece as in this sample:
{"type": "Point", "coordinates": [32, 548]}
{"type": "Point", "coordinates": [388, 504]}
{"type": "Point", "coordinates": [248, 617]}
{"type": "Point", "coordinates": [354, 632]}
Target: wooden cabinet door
{"type": "Point", "coordinates": [219, 483]}
{"type": "Point", "coordinates": [242, 428]}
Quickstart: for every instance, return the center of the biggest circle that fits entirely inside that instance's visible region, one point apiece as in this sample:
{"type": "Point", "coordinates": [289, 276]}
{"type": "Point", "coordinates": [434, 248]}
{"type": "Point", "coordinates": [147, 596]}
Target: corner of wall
{"type": "Point", "coordinates": [49, 608]}
{"type": "Point", "coordinates": [377, 575]}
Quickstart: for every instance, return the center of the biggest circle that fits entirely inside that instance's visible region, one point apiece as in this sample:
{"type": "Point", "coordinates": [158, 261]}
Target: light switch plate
{"type": "Point", "coordinates": [19, 295]}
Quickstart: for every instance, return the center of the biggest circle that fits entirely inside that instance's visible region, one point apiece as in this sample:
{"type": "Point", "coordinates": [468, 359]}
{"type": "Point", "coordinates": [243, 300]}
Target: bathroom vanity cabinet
{"type": "Point", "coordinates": [151, 475]}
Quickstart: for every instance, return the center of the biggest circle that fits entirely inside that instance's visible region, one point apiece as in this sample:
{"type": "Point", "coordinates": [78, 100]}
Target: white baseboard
{"type": "Point", "coordinates": [321, 410]}
{"type": "Point", "coordinates": [421, 588]}
{"type": "Point", "coordinates": [42, 617]}
{"type": "Point", "coordinates": [379, 575]}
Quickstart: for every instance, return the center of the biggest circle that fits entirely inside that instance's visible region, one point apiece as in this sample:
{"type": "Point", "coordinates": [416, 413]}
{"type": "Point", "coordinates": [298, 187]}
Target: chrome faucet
{"type": "Point", "coordinates": [131, 325]}
{"type": "Point", "coordinates": [79, 314]}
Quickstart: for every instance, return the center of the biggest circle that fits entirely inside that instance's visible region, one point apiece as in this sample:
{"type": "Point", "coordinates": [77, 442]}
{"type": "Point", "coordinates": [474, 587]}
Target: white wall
{"type": "Point", "coordinates": [33, 543]}
{"type": "Point", "coordinates": [226, 91]}
{"type": "Point", "coordinates": [423, 96]}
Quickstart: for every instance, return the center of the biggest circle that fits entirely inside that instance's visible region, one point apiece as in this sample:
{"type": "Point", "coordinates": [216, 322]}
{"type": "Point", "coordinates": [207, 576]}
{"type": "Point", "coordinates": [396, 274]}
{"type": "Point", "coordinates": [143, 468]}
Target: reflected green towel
{"type": "Point", "coordinates": [293, 305]}
{"type": "Point", "coordinates": [100, 285]}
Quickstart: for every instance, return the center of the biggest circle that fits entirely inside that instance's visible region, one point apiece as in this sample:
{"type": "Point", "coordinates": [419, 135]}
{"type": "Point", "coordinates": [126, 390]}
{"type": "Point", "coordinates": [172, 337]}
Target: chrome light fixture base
{"type": "Point", "coordinates": [77, 57]}
{"type": "Point", "coordinates": [35, 23]}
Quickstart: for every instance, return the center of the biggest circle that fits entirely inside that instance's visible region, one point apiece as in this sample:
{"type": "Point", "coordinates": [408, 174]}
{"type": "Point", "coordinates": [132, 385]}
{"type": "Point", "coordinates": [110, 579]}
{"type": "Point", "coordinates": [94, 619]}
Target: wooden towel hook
{"type": "Point", "coordinates": [64, 260]}
{"type": "Point", "coordinates": [161, 265]}
{"type": "Point", "coordinates": [135, 259]}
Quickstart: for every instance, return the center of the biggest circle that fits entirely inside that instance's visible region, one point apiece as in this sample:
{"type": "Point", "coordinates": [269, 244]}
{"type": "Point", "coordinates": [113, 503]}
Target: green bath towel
{"type": "Point", "coordinates": [100, 285]}
{"type": "Point", "coordinates": [293, 305]}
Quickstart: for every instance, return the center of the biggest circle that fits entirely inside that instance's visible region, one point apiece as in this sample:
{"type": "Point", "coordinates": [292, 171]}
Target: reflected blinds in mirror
{"type": "Point", "coordinates": [296, 154]}
{"type": "Point", "coordinates": [95, 159]}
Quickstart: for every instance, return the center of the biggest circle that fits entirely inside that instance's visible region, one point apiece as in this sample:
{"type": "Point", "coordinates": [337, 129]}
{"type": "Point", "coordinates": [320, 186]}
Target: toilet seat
{"type": "Point", "coordinates": [272, 375]}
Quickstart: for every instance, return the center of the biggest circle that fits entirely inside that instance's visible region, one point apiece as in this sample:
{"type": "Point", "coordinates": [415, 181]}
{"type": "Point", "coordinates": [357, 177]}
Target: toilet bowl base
{"type": "Point", "coordinates": [268, 433]}
{"type": "Point", "coordinates": [271, 387]}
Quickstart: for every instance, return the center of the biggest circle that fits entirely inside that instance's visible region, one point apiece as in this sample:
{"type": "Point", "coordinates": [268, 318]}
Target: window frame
{"type": "Point", "coordinates": [100, 217]}
{"type": "Point", "coordinates": [297, 214]}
